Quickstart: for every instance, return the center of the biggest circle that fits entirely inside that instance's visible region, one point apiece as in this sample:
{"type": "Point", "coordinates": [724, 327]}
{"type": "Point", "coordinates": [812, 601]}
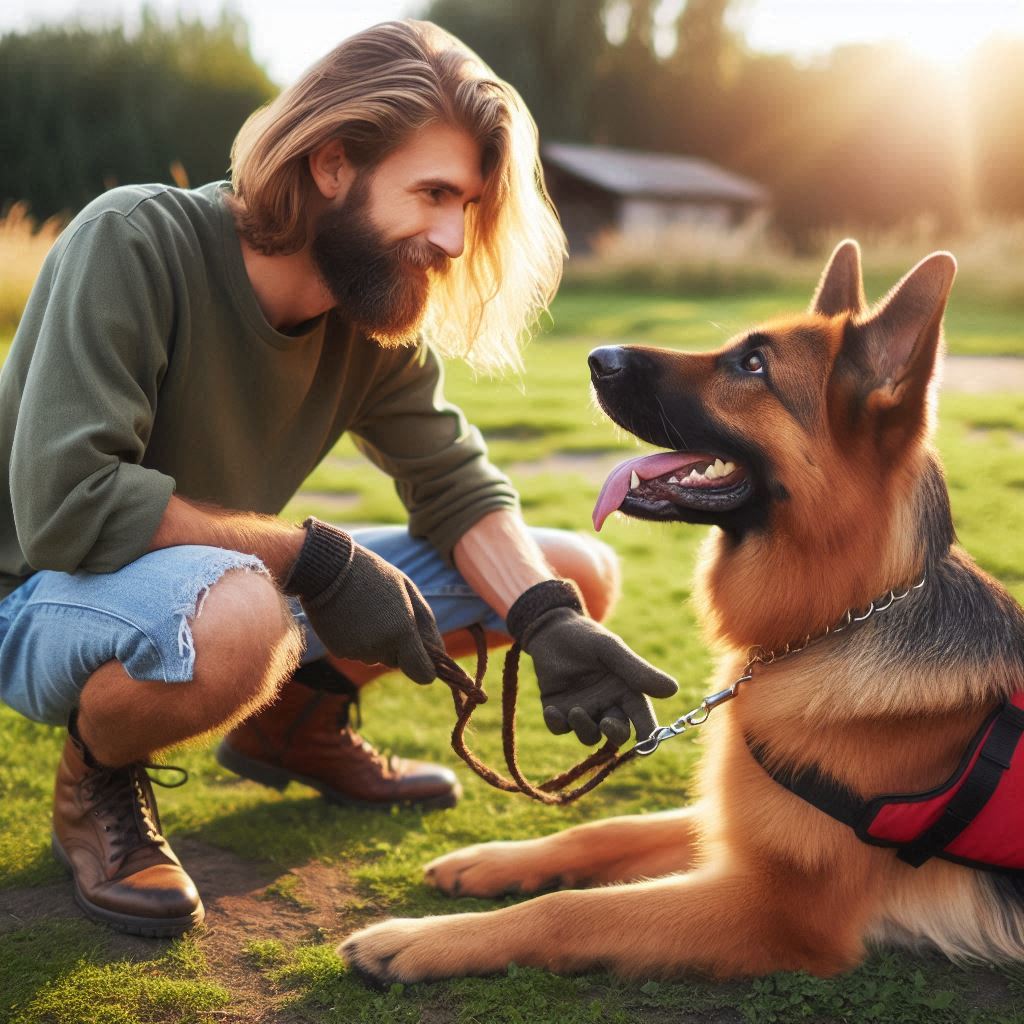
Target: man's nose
{"type": "Point", "coordinates": [448, 233]}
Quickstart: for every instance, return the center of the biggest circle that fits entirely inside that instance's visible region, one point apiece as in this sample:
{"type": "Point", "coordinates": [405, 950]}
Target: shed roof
{"type": "Point", "coordinates": [629, 172]}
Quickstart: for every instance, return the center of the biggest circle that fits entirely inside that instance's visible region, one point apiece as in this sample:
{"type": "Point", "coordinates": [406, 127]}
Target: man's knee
{"type": "Point", "coordinates": [246, 645]}
{"type": "Point", "coordinates": [245, 639]}
{"type": "Point", "coordinates": [591, 564]}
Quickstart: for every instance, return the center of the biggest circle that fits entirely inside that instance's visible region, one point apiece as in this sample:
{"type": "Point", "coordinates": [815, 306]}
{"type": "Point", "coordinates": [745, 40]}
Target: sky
{"type": "Point", "coordinates": [288, 35]}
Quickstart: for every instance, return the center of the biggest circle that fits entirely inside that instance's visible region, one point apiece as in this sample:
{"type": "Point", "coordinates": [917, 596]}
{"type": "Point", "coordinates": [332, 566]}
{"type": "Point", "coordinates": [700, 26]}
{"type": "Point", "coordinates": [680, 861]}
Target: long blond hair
{"type": "Point", "coordinates": [373, 91]}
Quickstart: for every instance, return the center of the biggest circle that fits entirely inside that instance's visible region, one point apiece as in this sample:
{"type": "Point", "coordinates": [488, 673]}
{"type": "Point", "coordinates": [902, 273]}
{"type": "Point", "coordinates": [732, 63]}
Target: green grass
{"type": "Point", "coordinates": [59, 968]}
{"type": "Point", "coordinates": [889, 989]}
{"type": "Point", "coordinates": [975, 324]}
{"type": "Point", "coordinates": [59, 972]}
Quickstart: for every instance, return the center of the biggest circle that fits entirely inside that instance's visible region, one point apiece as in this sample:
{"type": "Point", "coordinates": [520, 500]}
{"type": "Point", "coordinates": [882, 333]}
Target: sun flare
{"type": "Point", "coordinates": [945, 32]}
{"type": "Point", "coordinates": [949, 33]}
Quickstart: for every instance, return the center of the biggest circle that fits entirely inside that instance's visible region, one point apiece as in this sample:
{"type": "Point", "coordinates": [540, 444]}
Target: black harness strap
{"type": "Point", "coordinates": [838, 801]}
{"type": "Point", "coordinates": [814, 786]}
{"type": "Point", "coordinates": [995, 757]}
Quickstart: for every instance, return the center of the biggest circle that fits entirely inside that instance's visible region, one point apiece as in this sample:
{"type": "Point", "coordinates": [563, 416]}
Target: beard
{"type": "Point", "coordinates": [381, 286]}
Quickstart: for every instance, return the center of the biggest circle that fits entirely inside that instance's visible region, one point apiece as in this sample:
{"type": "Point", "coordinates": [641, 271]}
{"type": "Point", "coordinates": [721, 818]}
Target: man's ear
{"type": "Point", "coordinates": [840, 289]}
{"type": "Point", "coordinates": [331, 170]}
{"type": "Point", "coordinates": [899, 339]}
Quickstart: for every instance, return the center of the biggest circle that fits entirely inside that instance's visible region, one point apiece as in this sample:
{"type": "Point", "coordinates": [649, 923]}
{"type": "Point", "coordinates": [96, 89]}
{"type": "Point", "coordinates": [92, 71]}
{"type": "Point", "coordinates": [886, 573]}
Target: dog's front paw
{"type": "Point", "coordinates": [489, 870]}
{"type": "Point", "coordinates": [388, 952]}
{"type": "Point", "coordinates": [423, 949]}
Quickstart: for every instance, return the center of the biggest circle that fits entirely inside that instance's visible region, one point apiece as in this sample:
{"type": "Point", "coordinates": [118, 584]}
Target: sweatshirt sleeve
{"type": "Point", "coordinates": [99, 320]}
{"type": "Point", "coordinates": [438, 461]}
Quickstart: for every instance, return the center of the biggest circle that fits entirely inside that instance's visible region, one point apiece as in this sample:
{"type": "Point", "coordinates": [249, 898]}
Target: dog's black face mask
{"type": "Point", "coordinates": [710, 474]}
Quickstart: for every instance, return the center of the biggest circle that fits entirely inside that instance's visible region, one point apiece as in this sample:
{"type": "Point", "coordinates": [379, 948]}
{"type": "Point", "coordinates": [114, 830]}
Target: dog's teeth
{"type": "Point", "coordinates": [634, 481]}
{"type": "Point", "coordinates": [729, 467]}
{"type": "Point", "coordinates": [719, 467]}
{"type": "Point", "coordinates": [711, 473]}
{"type": "Point", "coordinates": [674, 480]}
{"type": "Point", "coordinates": [693, 476]}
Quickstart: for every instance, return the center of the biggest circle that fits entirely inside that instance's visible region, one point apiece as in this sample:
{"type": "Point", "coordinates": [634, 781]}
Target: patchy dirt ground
{"type": "Point", "coordinates": [305, 904]}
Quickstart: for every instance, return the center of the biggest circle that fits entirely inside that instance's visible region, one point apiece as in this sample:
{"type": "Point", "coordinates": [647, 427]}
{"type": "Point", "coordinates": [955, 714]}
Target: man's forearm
{"type": "Point", "coordinates": [270, 539]}
{"type": "Point", "coordinates": [499, 559]}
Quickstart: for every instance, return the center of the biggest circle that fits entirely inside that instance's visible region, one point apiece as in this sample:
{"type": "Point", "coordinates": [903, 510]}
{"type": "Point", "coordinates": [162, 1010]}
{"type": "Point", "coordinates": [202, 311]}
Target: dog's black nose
{"type": "Point", "coordinates": [607, 361]}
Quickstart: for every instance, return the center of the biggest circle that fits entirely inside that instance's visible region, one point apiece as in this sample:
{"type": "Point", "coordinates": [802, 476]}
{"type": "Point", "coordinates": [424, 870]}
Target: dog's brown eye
{"type": "Point", "coordinates": [753, 362]}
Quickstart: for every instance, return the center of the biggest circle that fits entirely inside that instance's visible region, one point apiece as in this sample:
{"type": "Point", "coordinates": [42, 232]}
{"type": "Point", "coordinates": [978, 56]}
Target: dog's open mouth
{"type": "Point", "coordinates": [662, 486]}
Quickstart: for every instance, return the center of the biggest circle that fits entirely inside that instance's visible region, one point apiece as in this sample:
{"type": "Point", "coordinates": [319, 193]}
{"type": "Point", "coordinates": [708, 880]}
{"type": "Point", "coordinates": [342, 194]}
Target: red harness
{"type": "Point", "coordinates": [976, 817]}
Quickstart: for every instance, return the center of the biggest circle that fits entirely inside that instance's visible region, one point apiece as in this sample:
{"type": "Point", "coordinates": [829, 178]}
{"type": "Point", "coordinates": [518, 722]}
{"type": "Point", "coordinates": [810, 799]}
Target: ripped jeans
{"type": "Point", "coordinates": [57, 628]}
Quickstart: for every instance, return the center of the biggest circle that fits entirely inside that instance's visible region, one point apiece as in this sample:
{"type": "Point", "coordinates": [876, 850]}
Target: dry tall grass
{"type": "Point", "coordinates": [702, 259]}
{"type": "Point", "coordinates": [696, 257]}
{"type": "Point", "coordinates": [24, 244]}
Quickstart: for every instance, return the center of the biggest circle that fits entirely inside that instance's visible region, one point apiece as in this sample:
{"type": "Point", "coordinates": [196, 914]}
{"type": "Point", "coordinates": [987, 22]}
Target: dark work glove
{"type": "Point", "coordinates": [590, 681]}
{"type": "Point", "coordinates": [361, 606]}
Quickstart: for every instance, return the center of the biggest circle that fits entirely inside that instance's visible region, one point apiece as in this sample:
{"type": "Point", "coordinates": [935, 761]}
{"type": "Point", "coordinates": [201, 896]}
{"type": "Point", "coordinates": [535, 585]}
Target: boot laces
{"type": "Point", "coordinates": [352, 709]}
{"type": "Point", "coordinates": [370, 752]}
{"type": "Point", "coordinates": [124, 797]}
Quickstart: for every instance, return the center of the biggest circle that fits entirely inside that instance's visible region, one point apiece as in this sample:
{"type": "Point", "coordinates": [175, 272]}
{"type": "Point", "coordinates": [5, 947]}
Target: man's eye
{"type": "Point", "coordinates": [753, 362]}
{"type": "Point", "coordinates": [435, 194]}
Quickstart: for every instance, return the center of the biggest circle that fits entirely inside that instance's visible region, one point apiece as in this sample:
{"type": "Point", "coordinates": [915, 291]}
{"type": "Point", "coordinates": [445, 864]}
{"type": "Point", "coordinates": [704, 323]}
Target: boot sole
{"type": "Point", "coordinates": [278, 778]}
{"type": "Point", "coordinates": [148, 927]}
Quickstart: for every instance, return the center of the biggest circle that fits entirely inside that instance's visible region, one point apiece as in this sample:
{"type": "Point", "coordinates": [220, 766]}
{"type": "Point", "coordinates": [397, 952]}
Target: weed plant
{"type": "Point", "coordinates": [24, 244]}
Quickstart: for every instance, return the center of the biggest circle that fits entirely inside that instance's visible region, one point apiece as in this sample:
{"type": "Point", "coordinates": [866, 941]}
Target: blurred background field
{"type": "Point", "coordinates": [906, 150]}
{"type": "Point", "coordinates": [693, 287]}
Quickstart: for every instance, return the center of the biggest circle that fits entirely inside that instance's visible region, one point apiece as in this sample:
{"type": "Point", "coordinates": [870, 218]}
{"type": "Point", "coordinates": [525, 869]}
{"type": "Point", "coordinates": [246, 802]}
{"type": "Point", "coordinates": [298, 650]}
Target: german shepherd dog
{"type": "Point", "coordinates": [834, 496]}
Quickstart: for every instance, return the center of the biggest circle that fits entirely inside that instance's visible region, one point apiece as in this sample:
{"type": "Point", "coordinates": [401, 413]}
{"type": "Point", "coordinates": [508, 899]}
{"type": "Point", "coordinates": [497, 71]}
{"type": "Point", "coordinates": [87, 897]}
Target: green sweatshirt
{"type": "Point", "coordinates": [143, 365]}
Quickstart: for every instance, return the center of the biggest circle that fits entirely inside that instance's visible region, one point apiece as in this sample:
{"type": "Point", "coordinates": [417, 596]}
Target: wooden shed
{"type": "Point", "coordinates": [599, 188]}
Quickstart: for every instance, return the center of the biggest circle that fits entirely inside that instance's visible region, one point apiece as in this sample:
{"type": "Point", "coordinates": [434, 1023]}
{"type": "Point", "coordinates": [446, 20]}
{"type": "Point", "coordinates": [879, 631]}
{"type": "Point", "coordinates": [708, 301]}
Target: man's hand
{"type": "Point", "coordinates": [361, 606]}
{"type": "Point", "coordinates": [590, 681]}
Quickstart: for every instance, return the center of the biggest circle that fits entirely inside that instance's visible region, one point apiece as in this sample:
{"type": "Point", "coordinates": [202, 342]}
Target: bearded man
{"type": "Point", "coordinates": [185, 360]}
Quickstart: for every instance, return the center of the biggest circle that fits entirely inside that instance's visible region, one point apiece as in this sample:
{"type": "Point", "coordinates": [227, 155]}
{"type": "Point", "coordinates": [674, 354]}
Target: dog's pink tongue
{"type": "Point", "coordinates": [646, 467]}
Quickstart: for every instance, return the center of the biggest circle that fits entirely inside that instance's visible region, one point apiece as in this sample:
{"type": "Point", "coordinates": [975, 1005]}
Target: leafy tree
{"type": "Point", "coordinates": [866, 136]}
{"type": "Point", "coordinates": [82, 110]}
{"type": "Point", "coordinates": [551, 52]}
{"type": "Point", "coordinates": [625, 109]}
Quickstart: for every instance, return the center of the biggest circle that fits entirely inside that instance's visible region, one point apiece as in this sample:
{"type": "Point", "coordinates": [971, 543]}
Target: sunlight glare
{"type": "Point", "coordinates": [945, 32]}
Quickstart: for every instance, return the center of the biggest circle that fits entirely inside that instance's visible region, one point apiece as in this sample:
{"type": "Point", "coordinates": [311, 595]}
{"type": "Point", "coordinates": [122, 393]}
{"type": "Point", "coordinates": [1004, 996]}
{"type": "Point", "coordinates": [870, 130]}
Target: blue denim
{"type": "Point", "coordinates": [57, 628]}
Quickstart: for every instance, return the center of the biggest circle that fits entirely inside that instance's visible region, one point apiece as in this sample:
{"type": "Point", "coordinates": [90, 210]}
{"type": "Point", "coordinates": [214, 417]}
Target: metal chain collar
{"type": "Point", "coordinates": [759, 656]}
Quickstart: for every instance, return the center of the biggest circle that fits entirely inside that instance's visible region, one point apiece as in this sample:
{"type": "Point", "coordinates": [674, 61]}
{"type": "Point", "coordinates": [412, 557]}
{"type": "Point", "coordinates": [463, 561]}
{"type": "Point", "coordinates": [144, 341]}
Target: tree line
{"type": "Point", "coordinates": [865, 136]}
{"type": "Point", "coordinates": [868, 135]}
{"type": "Point", "coordinates": [82, 109]}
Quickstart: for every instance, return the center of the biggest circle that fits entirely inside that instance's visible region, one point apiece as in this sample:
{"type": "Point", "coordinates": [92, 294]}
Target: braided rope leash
{"type": "Point", "coordinates": [468, 694]}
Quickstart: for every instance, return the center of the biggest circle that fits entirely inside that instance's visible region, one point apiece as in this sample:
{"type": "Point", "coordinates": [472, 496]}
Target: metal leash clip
{"type": "Point", "coordinates": [698, 716]}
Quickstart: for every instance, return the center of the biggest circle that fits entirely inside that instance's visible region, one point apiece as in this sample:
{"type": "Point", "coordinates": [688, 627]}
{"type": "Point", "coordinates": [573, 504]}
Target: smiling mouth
{"type": "Point", "coordinates": [667, 485]}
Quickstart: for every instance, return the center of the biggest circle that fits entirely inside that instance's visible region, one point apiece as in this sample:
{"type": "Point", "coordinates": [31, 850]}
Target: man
{"type": "Point", "coordinates": [185, 360]}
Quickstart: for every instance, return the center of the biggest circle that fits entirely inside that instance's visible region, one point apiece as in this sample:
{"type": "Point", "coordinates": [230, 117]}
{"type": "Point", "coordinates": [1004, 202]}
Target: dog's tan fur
{"type": "Point", "coordinates": [750, 879]}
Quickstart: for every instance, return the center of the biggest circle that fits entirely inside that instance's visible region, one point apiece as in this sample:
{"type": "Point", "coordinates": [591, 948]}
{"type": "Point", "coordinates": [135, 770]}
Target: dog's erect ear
{"type": "Point", "coordinates": [840, 289]}
{"type": "Point", "coordinates": [899, 339]}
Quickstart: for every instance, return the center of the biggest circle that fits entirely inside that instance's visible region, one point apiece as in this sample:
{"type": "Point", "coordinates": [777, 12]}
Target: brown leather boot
{"type": "Point", "coordinates": [306, 736]}
{"type": "Point", "coordinates": [106, 831]}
